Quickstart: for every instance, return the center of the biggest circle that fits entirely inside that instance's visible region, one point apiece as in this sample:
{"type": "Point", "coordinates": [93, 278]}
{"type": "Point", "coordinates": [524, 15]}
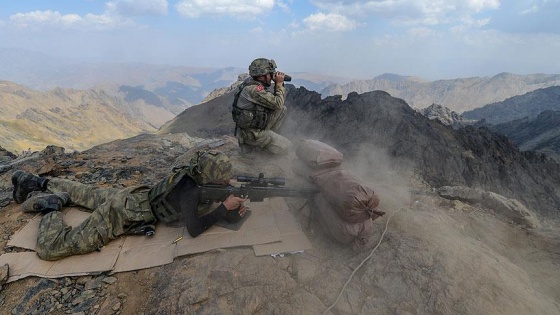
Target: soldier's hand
{"type": "Point", "coordinates": [278, 77]}
{"type": "Point", "coordinates": [242, 210]}
{"type": "Point", "coordinates": [233, 203]}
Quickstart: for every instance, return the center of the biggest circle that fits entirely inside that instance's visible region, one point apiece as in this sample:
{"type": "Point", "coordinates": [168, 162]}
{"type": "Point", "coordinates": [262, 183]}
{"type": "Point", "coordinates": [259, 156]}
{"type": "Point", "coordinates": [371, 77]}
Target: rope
{"type": "Point", "coordinates": [362, 263]}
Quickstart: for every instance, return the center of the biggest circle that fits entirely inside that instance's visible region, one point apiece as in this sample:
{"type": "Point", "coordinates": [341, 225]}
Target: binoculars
{"type": "Point", "coordinates": [287, 78]}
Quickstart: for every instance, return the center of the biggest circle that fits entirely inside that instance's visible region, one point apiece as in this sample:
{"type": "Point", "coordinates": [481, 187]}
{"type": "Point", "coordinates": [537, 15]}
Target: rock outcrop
{"type": "Point", "coordinates": [469, 156]}
{"type": "Point", "coordinates": [445, 116]}
{"type": "Point", "coordinates": [511, 209]}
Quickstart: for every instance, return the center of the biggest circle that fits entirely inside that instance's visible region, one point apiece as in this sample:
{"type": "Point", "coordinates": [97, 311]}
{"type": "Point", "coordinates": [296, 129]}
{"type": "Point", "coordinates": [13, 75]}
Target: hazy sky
{"type": "Point", "coordinates": [434, 39]}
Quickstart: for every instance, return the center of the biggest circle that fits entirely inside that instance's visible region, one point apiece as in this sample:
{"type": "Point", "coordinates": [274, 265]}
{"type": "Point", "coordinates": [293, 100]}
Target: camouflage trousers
{"type": "Point", "coordinates": [267, 139]}
{"type": "Point", "coordinates": [113, 213]}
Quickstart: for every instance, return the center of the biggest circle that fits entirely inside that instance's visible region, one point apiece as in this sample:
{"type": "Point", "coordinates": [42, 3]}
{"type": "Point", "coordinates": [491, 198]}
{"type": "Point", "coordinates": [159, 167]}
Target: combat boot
{"type": "Point", "coordinates": [24, 183]}
{"type": "Point", "coordinates": [45, 203]}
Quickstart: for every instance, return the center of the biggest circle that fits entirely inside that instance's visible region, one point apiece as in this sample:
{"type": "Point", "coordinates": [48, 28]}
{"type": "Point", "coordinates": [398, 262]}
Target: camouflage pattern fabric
{"type": "Point", "coordinates": [114, 213]}
{"type": "Point", "coordinates": [211, 166]}
{"type": "Point", "coordinates": [42, 202]}
{"type": "Point", "coordinates": [267, 139]}
{"type": "Point", "coordinates": [261, 66]}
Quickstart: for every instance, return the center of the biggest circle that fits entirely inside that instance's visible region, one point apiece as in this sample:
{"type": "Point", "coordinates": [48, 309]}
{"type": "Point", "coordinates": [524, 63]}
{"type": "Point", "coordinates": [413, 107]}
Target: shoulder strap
{"type": "Point", "coordinates": [241, 87]}
{"type": "Point", "coordinates": [236, 99]}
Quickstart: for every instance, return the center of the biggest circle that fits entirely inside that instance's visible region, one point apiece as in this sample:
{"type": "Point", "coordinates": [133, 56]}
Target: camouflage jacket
{"type": "Point", "coordinates": [257, 95]}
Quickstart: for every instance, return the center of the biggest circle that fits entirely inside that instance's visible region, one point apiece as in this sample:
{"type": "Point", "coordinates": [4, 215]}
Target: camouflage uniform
{"type": "Point", "coordinates": [45, 202]}
{"type": "Point", "coordinates": [115, 212]}
{"type": "Point", "coordinates": [254, 100]}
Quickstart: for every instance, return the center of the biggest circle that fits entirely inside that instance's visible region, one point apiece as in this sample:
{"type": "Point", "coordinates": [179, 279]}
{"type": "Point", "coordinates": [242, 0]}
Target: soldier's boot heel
{"type": "Point", "coordinates": [46, 203]}
{"type": "Point", "coordinates": [24, 183]}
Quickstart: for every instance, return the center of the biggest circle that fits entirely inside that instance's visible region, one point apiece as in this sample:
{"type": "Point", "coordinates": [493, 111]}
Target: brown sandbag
{"type": "Point", "coordinates": [301, 169]}
{"type": "Point", "coordinates": [359, 235]}
{"type": "Point", "coordinates": [318, 155]}
{"type": "Point", "coordinates": [351, 198]}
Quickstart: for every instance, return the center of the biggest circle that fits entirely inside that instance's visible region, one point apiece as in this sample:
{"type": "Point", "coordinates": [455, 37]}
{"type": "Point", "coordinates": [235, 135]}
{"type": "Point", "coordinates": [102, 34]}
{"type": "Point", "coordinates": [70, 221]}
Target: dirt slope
{"type": "Point", "coordinates": [436, 256]}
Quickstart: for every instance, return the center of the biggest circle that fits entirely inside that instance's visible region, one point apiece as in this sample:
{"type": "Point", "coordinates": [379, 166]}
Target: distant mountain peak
{"type": "Point", "coordinates": [397, 78]}
{"type": "Point", "coordinates": [503, 75]}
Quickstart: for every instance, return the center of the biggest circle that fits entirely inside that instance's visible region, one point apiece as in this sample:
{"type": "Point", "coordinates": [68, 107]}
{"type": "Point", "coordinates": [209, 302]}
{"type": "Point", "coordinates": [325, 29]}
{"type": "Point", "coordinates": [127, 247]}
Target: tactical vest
{"type": "Point", "coordinates": [256, 117]}
{"type": "Point", "coordinates": [158, 195]}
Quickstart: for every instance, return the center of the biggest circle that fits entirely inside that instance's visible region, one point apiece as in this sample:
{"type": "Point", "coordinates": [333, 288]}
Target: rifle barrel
{"type": "Point", "coordinates": [220, 193]}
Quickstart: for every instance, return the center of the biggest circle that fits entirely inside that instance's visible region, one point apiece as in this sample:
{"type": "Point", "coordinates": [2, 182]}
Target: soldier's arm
{"type": "Point", "coordinates": [267, 99]}
{"type": "Point", "coordinates": [186, 199]}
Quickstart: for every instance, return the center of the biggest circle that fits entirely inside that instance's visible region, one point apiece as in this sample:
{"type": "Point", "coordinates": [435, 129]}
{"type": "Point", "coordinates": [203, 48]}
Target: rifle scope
{"type": "Point", "coordinates": [262, 181]}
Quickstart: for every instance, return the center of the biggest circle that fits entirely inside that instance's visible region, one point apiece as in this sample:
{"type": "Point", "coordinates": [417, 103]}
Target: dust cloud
{"type": "Point", "coordinates": [392, 180]}
{"type": "Point", "coordinates": [453, 257]}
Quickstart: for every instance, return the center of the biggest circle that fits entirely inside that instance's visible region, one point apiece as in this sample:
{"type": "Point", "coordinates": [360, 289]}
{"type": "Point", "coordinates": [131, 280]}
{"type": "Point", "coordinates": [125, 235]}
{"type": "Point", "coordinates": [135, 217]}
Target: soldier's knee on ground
{"type": "Point", "coordinates": [51, 238]}
{"type": "Point", "coordinates": [45, 254]}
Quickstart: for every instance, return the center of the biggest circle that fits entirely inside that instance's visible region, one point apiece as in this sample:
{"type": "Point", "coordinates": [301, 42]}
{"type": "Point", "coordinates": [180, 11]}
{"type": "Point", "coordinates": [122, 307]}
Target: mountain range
{"type": "Point", "coordinates": [54, 94]}
{"type": "Point", "coordinates": [529, 105]}
{"type": "Point", "coordinates": [541, 134]}
{"type": "Point", "coordinates": [459, 95]}
{"type": "Point", "coordinates": [75, 119]}
{"type": "Point", "coordinates": [529, 120]}
{"type": "Point", "coordinates": [189, 85]}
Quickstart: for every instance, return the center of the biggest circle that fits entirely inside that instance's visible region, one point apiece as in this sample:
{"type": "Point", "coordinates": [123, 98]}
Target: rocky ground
{"type": "Point", "coordinates": [429, 255]}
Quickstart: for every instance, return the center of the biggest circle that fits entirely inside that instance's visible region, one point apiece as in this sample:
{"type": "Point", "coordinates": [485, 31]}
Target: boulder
{"type": "Point", "coordinates": [512, 209]}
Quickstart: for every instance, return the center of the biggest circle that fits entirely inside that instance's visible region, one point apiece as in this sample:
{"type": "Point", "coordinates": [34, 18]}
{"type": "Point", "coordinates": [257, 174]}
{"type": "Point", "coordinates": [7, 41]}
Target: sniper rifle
{"type": "Point", "coordinates": [255, 189]}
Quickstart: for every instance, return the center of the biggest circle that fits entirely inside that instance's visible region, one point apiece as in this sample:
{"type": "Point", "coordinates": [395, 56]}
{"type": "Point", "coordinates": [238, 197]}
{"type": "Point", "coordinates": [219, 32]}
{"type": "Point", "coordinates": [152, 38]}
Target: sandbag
{"type": "Point", "coordinates": [301, 169]}
{"type": "Point", "coordinates": [350, 197]}
{"type": "Point", "coordinates": [359, 235]}
{"type": "Point", "coordinates": [317, 154]}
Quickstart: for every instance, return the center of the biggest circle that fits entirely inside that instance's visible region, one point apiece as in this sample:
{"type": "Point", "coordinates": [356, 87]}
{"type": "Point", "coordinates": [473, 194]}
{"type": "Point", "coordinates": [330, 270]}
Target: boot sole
{"type": "Point", "coordinates": [15, 175]}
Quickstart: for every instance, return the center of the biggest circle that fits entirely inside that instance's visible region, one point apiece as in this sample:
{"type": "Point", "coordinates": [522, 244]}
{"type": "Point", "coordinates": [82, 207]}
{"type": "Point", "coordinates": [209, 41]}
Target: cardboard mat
{"type": "Point", "coordinates": [271, 229]}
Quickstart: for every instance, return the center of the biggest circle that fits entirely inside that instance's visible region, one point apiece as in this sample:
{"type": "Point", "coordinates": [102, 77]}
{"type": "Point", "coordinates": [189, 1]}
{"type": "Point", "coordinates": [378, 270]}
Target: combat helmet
{"type": "Point", "coordinates": [262, 66]}
{"type": "Point", "coordinates": [210, 166]}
